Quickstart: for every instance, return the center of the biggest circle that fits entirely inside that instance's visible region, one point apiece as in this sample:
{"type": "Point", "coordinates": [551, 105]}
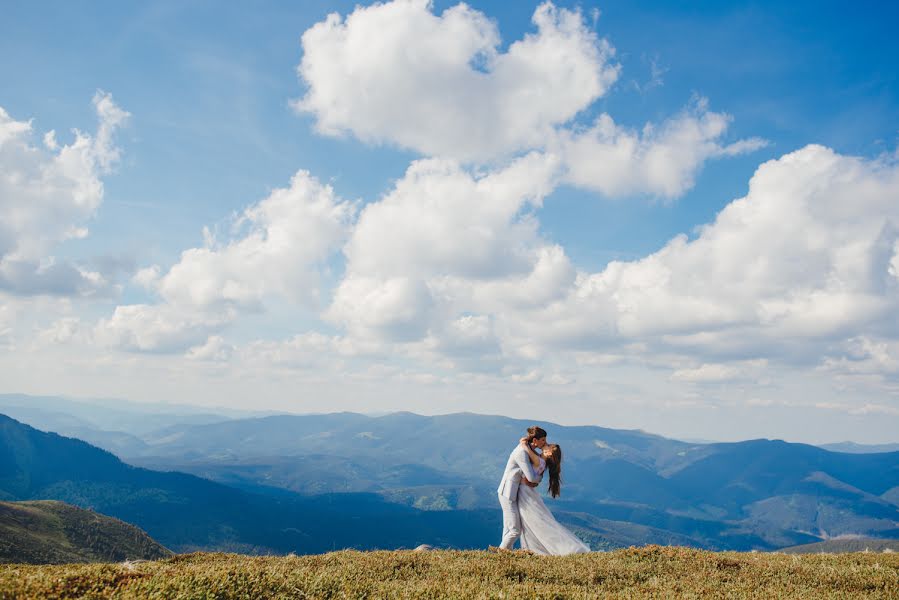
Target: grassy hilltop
{"type": "Point", "coordinates": [47, 531]}
{"type": "Point", "coordinates": [651, 571]}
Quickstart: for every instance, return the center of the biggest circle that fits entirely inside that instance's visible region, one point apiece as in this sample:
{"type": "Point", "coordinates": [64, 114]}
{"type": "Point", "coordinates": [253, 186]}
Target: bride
{"type": "Point", "coordinates": [540, 532]}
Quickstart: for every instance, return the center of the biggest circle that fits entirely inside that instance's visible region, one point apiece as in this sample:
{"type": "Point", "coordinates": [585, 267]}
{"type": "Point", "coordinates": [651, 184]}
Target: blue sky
{"type": "Point", "coordinates": [213, 128]}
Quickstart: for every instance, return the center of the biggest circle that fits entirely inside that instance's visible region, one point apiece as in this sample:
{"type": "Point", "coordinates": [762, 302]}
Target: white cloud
{"type": "Point", "coordinates": [416, 255]}
{"type": "Point", "coordinates": [289, 235]}
{"type": "Point", "coordinates": [397, 73]}
{"type": "Point", "coordinates": [306, 351]}
{"type": "Point", "coordinates": [62, 331]}
{"type": "Point", "coordinates": [279, 247]}
{"type": "Point", "coordinates": [468, 343]}
{"type": "Point", "coordinates": [7, 321]}
{"type": "Point", "coordinates": [214, 349]}
{"type": "Point", "coordinates": [446, 247]}
{"type": "Point", "coordinates": [659, 160]}
{"type": "Point", "coordinates": [147, 277]}
{"type": "Point", "coordinates": [159, 327]}
{"type": "Point", "coordinates": [874, 409]}
{"type": "Point", "coordinates": [894, 261]}
{"type": "Point", "coordinates": [395, 308]}
{"type": "Point", "coordinates": [804, 258]}
{"type": "Point", "coordinates": [863, 355]}
{"type": "Point", "coordinates": [706, 373]}
{"type": "Point", "coordinates": [761, 402]}
{"type": "Point", "coordinates": [46, 195]}
{"type": "Point", "coordinates": [33, 322]}
{"type": "Point", "coordinates": [551, 274]}
{"type": "Point", "coordinates": [104, 150]}
{"type": "Point", "coordinates": [441, 219]}
{"type": "Point", "coordinates": [865, 409]}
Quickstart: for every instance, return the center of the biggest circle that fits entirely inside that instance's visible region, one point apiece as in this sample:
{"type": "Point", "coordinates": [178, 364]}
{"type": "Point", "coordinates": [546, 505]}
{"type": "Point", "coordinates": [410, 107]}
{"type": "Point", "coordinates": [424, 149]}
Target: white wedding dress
{"type": "Point", "coordinates": [540, 532]}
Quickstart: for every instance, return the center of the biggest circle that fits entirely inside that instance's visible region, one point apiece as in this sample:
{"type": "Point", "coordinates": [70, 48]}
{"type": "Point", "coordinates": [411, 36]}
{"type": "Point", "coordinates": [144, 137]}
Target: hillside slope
{"type": "Point", "coordinates": [55, 532]}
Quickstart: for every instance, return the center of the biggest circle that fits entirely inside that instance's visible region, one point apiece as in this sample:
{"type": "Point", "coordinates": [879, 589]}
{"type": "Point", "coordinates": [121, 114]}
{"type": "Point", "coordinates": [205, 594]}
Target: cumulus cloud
{"type": "Point", "coordinates": [802, 269]}
{"type": "Point", "coordinates": [659, 160]}
{"type": "Point", "coordinates": [288, 236]}
{"type": "Point", "coordinates": [47, 194]}
{"type": "Point", "coordinates": [309, 351]}
{"type": "Point", "coordinates": [7, 320]}
{"type": "Point", "coordinates": [447, 249]}
{"type": "Point", "coordinates": [866, 355]}
{"type": "Point", "coordinates": [147, 278]}
{"type": "Point", "coordinates": [804, 260]}
{"type": "Point", "coordinates": [706, 373]}
{"type": "Point", "coordinates": [468, 343]}
{"type": "Point", "coordinates": [279, 247]}
{"type": "Point", "coordinates": [716, 372]}
{"type": "Point", "coordinates": [550, 275]}
{"type": "Point", "coordinates": [415, 255]}
{"type": "Point", "coordinates": [159, 327]}
{"type": "Point", "coordinates": [214, 349]}
{"type": "Point", "coordinates": [63, 331]}
{"type": "Point", "coordinates": [865, 409]}
{"type": "Point", "coordinates": [397, 73]}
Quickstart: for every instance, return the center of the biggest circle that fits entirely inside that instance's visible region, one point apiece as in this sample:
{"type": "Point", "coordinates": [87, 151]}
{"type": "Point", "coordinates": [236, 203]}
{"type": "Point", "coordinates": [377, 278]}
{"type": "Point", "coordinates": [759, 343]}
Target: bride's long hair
{"type": "Point", "coordinates": [554, 466]}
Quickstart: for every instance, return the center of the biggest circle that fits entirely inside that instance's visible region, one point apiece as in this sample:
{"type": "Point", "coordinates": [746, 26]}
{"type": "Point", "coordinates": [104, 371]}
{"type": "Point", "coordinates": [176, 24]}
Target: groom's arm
{"type": "Point", "coordinates": [528, 482]}
{"type": "Point", "coordinates": [523, 463]}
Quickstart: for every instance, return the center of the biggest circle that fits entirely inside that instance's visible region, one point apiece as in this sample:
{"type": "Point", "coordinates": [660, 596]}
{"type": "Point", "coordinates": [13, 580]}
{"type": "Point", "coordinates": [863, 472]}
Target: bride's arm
{"type": "Point", "coordinates": [535, 458]}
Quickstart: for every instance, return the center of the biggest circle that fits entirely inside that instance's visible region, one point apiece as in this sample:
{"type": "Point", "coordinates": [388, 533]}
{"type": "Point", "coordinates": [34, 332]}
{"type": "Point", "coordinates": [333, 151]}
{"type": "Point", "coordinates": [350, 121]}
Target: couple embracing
{"type": "Point", "coordinates": [525, 516]}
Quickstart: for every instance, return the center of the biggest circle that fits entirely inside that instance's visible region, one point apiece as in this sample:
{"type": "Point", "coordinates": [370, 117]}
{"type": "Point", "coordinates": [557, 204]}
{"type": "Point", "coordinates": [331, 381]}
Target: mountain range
{"type": "Point", "coordinates": [619, 487]}
{"type": "Point", "coordinates": [753, 494]}
{"type": "Point", "coordinates": [186, 513]}
{"type": "Point", "coordinates": [847, 544]}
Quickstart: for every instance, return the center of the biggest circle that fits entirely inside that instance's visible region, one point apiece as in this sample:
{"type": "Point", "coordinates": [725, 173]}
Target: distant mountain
{"type": "Point", "coordinates": [50, 532]}
{"type": "Point", "coordinates": [105, 416]}
{"type": "Point", "coordinates": [845, 545]}
{"type": "Point", "coordinates": [185, 512]}
{"type": "Point", "coordinates": [762, 494]}
{"type": "Point", "coordinates": [757, 494]}
{"type": "Point", "coordinates": [854, 448]}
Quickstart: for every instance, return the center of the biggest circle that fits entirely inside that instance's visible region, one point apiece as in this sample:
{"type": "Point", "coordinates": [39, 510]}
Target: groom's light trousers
{"type": "Point", "coordinates": [511, 522]}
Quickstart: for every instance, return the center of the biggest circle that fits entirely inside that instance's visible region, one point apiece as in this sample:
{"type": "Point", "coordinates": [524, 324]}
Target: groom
{"type": "Point", "coordinates": [518, 471]}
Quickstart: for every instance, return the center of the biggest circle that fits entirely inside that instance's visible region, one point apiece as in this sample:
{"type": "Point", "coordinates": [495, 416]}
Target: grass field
{"type": "Point", "coordinates": [648, 572]}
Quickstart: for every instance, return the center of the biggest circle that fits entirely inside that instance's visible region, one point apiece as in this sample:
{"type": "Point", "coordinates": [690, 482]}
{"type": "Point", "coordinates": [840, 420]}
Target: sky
{"type": "Point", "coordinates": [675, 217]}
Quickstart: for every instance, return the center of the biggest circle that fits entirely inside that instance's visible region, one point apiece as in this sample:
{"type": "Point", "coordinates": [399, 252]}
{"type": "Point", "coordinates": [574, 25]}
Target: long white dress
{"type": "Point", "coordinates": [540, 532]}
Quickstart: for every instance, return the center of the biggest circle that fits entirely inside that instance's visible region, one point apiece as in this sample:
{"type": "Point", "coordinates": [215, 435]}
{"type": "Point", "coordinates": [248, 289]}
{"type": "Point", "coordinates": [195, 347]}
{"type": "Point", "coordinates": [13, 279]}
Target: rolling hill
{"type": "Point", "coordinates": [50, 532]}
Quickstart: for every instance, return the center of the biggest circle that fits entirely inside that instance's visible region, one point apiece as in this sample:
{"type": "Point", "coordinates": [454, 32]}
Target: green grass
{"type": "Point", "coordinates": [648, 572]}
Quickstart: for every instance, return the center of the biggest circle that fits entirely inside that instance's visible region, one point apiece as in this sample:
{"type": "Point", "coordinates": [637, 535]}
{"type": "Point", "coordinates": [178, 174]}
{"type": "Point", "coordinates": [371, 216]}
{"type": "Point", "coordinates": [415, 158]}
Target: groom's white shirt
{"type": "Point", "coordinates": [518, 466]}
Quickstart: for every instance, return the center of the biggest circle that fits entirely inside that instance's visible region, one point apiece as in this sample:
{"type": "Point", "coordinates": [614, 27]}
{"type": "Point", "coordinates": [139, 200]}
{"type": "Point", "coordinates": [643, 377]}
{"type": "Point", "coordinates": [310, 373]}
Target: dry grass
{"type": "Point", "coordinates": [648, 572]}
